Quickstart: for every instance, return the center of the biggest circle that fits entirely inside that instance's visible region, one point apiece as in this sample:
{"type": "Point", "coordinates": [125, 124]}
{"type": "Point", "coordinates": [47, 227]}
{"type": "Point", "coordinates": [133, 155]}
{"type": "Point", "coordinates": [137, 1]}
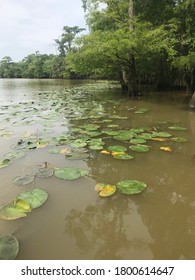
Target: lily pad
{"type": "Point", "coordinates": [14, 155]}
{"type": "Point", "coordinates": [179, 139]}
{"type": "Point", "coordinates": [123, 156]}
{"type": "Point", "coordinates": [35, 199]}
{"type": "Point", "coordinates": [105, 190]}
{"type": "Point", "coordinates": [123, 136]}
{"type": "Point", "coordinates": [177, 128]}
{"type": "Point", "coordinates": [4, 163]}
{"type": "Point", "coordinates": [23, 180]}
{"type": "Point", "coordinates": [139, 148]}
{"type": "Point", "coordinates": [77, 155]}
{"type": "Point", "coordinates": [9, 247]}
{"type": "Point", "coordinates": [78, 143]}
{"type": "Point", "coordinates": [70, 173]}
{"type": "Point", "coordinates": [12, 212]}
{"type": "Point", "coordinates": [138, 141]}
{"type": "Point", "coordinates": [43, 172]}
{"type": "Point", "coordinates": [117, 148]}
{"type": "Point", "coordinates": [161, 134]}
{"type": "Point", "coordinates": [131, 186]}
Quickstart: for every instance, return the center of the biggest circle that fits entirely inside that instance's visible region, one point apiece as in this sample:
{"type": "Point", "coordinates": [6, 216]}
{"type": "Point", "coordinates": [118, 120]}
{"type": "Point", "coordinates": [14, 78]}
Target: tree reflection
{"type": "Point", "coordinates": [102, 229]}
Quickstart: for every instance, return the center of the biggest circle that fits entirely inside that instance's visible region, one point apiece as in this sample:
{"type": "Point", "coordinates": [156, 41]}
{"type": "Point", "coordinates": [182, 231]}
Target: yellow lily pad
{"type": "Point", "coordinates": [166, 149]}
{"type": "Point", "coordinates": [105, 189]}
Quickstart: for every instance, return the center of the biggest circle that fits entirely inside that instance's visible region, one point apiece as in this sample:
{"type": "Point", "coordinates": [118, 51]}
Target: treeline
{"type": "Point", "coordinates": [137, 42]}
{"type": "Point", "coordinates": [41, 66]}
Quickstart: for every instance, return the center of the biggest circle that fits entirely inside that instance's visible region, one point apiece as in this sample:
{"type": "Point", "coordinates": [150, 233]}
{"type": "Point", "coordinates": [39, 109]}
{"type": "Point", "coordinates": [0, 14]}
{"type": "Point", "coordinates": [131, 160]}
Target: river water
{"type": "Point", "coordinates": [75, 222]}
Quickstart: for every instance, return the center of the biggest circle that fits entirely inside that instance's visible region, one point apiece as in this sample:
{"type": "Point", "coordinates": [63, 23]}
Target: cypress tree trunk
{"type": "Point", "coordinates": [133, 88]}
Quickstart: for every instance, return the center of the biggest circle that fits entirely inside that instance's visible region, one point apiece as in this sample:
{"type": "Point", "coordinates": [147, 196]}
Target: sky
{"type": "Point", "coordinates": [27, 26]}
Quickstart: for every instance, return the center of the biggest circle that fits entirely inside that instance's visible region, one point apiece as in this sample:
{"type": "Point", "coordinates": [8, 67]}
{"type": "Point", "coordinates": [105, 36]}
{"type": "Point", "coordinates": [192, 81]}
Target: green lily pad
{"type": "Point", "coordinates": [139, 148]}
{"type": "Point", "coordinates": [123, 156]}
{"type": "Point", "coordinates": [177, 128]}
{"type": "Point", "coordinates": [131, 186]}
{"type": "Point", "coordinates": [123, 136]}
{"type": "Point", "coordinates": [179, 139]}
{"type": "Point", "coordinates": [96, 147]}
{"type": "Point", "coordinates": [44, 172]}
{"type": "Point", "coordinates": [105, 190]}
{"type": "Point", "coordinates": [110, 132]}
{"type": "Point", "coordinates": [117, 148]}
{"type": "Point", "coordinates": [138, 141]}
{"type": "Point", "coordinates": [14, 155]}
{"type": "Point", "coordinates": [78, 143]}
{"type": "Point", "coordinates": [35, 199]}
{"type": "Point", "coordinates": [23, 180]}
{"type": "Point", "coordinates": [70, 173]}
{"type": "Point", "coordinates": [141, 110]}
{"type": "Point", "coordinates": [4, 163]}
{"type": "Point", "coordinates": [161, 134]}
{"type": "Point", "coordinates": [77, 155]}
{"type": "Point", "coordinates": [9, 247]}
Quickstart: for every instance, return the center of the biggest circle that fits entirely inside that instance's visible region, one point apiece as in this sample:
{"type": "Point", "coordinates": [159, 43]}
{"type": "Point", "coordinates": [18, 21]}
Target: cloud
{"type": "Point", "coordinates": [31, 25]}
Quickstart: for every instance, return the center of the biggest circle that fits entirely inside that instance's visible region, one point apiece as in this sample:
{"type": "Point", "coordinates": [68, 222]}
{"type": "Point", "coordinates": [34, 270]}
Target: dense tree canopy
{"type": "Point", "coordinates": [133, 41]}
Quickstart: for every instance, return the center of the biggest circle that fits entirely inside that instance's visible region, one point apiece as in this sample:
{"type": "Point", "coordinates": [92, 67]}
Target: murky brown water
{"type": "Point", "coordinates": [75, 223]}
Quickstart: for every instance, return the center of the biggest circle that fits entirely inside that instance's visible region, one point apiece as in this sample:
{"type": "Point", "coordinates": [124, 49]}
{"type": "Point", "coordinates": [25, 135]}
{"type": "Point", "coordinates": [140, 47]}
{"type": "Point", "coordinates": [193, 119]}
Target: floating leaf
{"type": "Point", "coordinates": [41, 144]}
{"type": "Point", "coordinates": [54, 151]}
{"type": "Point", "coordinates": [64, 151]}
{"type": "Point", "coordinates": [166, 149]}
{"type": "Point", "coordinates": [11, 212]}
{"type": "Point", "coordinates": [4, 163]}
{"type": "Point", "coordinates": [77, 155]}
{"type": "Point", "coordinates": [22, 205]}
{"type": "Point", "coordinates": [105, 190]}
{"type": "Point", "coordinates": [161, 134]}
{"type": "Point", "coordinates": [35, 199]}
{"type": "Point", "coordinates": [139, 148]}
{"type": "Point", "coordinates": [179, 139]}
{"type": "Point", "coordinates": [138, 141]}
{"type": "Point", "coordinates": [177, 128]}
{"type": "Point", "coordinates": [123, 136]}
{"type": "Point", "coordinates": [14, 155]}
{"type": "Point", "coordinates": [117, 148]}
{"type": "Point", "coordinates": [70, 173]}
{"type": "Point", "coordinates": [122, 156]}
{"type": "Point", "coordinates": [9, 247]}
{"type": "Point", "coordinates": [159, 139]}
{"type": "Point", "coordinates": [78, 143]}
{"type": "Point", "coordinates": [43, 172]}
{"type": "Point", "coordinates": [96, 147]}
{"type": "Point", "coordinates": [131, 186]}
{"type": "Point", "coordinates": [141, 110]}
{"type": "Point", "coordinates": [105, 152]}
{"type": "Point", "coordinates": [23, 180]}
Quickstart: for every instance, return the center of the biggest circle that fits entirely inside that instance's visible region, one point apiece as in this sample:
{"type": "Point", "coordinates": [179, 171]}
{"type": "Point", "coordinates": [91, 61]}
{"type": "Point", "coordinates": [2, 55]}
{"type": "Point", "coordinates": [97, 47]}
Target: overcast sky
{"type": "Point", "coordinates": [27, 26]}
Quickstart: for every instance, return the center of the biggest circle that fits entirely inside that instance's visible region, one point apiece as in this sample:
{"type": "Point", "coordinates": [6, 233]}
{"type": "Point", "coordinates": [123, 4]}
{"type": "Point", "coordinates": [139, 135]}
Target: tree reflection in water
{"type": "Point", "coordinates": [108, 230]}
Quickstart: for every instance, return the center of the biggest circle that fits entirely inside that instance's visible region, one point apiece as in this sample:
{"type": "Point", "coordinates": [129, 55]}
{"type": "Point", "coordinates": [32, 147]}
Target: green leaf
{"type": "Point", "coordinates": [161, 134]}
{"type": "Point", "coordinates": [70, 173]}
{"type": "Point", "coordinates": [35, 199]}
{"type": "Point", "coordinates": [4, 163]}
{"type": "Point", "coordinates": [123, 136]}
{"type": "Point", "coordinates": [117, 148]}
{"type": "Point", "coordinates": [179, 139]}
{"type": "Point", "coordinates": [23, 180]}
{"type": "Point", "coordinates": [77, 155]}
{"type": "Point", "coordinates": [139, 148]}
{"type": "Point", "coordinates": [131, 186]}
{"type": "Point", "coordinates": [123, 156]}
{"type": "Point", "coordinates": [43, 172]}
{"type": "Point", "coordinates": [177, 128]}
{"type": "Point", "coordinates": [9, 247]}
{"type": "Point", "coordinates": [138, 141]}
